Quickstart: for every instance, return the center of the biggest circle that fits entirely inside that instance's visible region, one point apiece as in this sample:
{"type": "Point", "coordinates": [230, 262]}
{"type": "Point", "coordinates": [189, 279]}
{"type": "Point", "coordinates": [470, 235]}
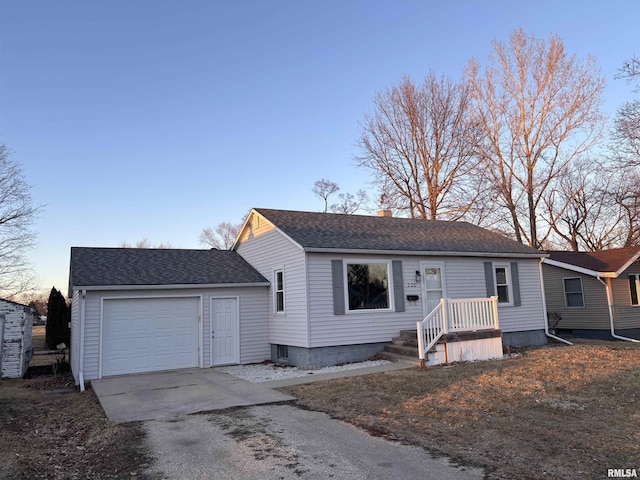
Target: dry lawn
{"type": "Point", "coordinates": [49, 430]}
{"type": "Point", "coordinates": [557, 412]}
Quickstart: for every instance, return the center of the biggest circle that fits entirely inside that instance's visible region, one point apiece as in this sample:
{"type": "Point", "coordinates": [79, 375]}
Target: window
{"type": "Point", "coordinates": [367, 285]}
{"type": "Point", "coordinates": [634, 287]}
{"type": "Point", "coordinates": [502, 277]}
{"type": "Point", "coordinates": [573, 292]}
{"type": "Point", "coordinates": [278, 302]}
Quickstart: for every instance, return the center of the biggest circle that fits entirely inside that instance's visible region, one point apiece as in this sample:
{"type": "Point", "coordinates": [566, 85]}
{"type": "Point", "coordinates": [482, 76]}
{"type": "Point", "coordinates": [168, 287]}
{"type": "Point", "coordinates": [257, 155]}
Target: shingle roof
{"type": "Point", "coordinates": [147, 266]}
{"type": "Point", "coordinates": [601, 261]}
{"type": "Point", "coordinates": [372, 233]}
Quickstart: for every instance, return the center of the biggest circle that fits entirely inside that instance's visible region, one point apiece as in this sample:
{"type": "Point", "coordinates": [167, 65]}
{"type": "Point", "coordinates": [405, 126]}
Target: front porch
{"type": "Point", "coordinates": [455, 330]}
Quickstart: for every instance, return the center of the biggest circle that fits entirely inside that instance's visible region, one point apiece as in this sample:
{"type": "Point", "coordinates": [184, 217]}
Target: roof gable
{"type": "Point", "coordinates": [330, 231]}
{"type": "Point", "coordinates": [612, 262]}
{"type": "Point", "coordinates": [147, 266]}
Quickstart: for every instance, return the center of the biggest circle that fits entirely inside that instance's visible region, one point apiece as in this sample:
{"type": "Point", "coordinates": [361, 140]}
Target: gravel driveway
{"type": "Point", "coordinates": [284, 442]}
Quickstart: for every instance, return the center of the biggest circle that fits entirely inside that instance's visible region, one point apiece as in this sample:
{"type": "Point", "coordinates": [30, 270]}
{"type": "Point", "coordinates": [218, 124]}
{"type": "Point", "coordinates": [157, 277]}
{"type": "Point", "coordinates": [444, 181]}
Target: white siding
{"type": "Point", "coordinates": [266, 249]}
{"type": "Point", "coordinates": [74, 350]}
{"type": "Point", "coordinates": [17, 347]}
{"type": "Point", "coordinates": [464, 279]}
{"type": "Point", "coordinates": [254, 345]}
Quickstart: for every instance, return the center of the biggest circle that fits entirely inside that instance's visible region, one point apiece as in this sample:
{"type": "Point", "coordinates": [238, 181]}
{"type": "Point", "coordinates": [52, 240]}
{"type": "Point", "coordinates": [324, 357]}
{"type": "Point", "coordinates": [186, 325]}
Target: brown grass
{"type": "Point", "coordinates": [568, 413]}
{"type": "Point", "coordinates": [50, 430]}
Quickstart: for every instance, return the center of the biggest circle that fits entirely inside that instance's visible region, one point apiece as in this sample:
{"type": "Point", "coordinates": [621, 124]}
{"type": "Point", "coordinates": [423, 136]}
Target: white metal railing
{"type": "Point", "coordinates": [456, 315]}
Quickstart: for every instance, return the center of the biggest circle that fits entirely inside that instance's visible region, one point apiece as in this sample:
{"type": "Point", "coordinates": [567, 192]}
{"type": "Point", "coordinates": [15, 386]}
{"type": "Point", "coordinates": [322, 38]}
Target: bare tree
{"type": "Point", "coordinates": [626, 128]}
{"type": "Point", "coordinates": [222, 237]}
{"type": "Point", "coordinates": [17, 213]}
{"type": "Point", "coordinates": [145, 243]}
{"type": "Point", "coordinates": [350, 204]}
{"type": "Point", "coordinates": [324, 188]}
{"type": "Point", "coordinates": [630, 70]}
{"type": "Point", "coordinates": [538, 110]}
{"type": "Point", "coordinates": [418, 143]}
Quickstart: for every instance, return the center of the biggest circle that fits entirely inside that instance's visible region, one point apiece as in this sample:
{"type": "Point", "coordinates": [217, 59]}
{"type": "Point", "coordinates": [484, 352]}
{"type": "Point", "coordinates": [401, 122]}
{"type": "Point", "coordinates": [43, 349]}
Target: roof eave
{"type": "Point", "coordinates": [577, 269]}
{"type": "Point", "coordinates": [177, 286]}
{"type": "Point", "coordinates": [627, 265]}
{"type": "Point", "coordinates": [424, 253]}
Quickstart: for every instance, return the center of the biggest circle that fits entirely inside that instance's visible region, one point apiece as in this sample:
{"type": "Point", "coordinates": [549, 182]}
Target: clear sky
{"type": "Point", "coordinates": [158, 118]}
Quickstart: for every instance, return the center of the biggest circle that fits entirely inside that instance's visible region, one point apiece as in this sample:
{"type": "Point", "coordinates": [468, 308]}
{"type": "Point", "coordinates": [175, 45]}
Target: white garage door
{"type": "Point", "coordinates": [149, 334]}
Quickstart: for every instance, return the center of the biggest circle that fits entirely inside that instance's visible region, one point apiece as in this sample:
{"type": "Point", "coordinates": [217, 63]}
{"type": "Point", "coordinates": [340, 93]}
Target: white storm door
{"type": "Point", "coordinates": [225, 331]}
{"type": "Point", "coordinates": [433, 285]}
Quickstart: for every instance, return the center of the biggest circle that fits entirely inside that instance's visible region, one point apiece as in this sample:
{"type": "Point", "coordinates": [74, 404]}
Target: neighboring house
{"type": "Point", "coordinates": [343, 285]}
{"type": "Point", "coordinates": [594, 294]}
{"type": "Point", "coordinates": [140, 310]}
{"type": "Point", "coordinates": [16, 347]}
{"type": "Point", "coordinates": [309, 288]}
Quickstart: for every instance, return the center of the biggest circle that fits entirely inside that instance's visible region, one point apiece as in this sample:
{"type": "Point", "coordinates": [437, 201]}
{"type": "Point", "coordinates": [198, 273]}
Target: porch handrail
{"type": "Point", "coordinates": [431, 329]}
{"type": "Point", "coordinates": [456, 315]}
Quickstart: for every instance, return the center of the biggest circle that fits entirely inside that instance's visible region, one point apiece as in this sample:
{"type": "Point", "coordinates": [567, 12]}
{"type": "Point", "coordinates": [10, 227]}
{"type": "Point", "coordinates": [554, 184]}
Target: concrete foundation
{"type": "Point", "coordinates": [529, 338]}
{"type": "Point", "coordinates": [311, 358]}
{"type": "Point", "coordinates": [598, 334]}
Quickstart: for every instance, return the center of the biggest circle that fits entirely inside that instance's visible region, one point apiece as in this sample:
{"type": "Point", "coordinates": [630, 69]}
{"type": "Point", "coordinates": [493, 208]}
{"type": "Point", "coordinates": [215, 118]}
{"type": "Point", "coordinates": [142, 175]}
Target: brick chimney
{"type": "Point", "coordinates": [385, 213]}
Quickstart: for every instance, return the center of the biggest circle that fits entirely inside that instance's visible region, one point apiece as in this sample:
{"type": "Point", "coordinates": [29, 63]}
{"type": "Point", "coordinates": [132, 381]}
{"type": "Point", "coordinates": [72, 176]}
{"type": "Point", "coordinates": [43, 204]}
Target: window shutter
{"type": "Point", "coordinates": [398, 285]}
{"type": "Point", "coordinates": [515, 280]}
{"type": "Point", "coordinates": [488, 279]}
{"type": "Point", "coordinates": [338, 287]}
{"type": "Point", "coordinates": [633, 290]}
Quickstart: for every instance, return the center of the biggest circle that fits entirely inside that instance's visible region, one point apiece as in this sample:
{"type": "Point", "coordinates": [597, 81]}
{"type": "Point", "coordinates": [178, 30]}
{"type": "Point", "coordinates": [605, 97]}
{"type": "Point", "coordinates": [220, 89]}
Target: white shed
{"type": "Point", "coordinates": [16, 347]}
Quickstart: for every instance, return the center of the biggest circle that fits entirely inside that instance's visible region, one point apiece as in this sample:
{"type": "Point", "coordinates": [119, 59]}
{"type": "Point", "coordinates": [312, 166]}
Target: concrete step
{"type": "Point", "coordinates": [407, 343]}
{"type": "Point", "coordinates": [397, 358]}
{"type": "Point", "coordinates": [402, 350]}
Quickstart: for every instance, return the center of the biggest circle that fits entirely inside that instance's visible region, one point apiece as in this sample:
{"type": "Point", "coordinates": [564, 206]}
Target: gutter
{"type": "Point", "coordinates": [607, 288]}
{"type": "Point", "coordinates": [544, 306]}
{"type": "Point", "coordinates": [81, 360]}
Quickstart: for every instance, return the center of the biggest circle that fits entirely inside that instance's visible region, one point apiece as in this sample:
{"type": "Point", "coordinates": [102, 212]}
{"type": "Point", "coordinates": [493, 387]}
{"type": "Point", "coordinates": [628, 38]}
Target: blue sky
{"type": "Point", "coordinates": [156, 119]}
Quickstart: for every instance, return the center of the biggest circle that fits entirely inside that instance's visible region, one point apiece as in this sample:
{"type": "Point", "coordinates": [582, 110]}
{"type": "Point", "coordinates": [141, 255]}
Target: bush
{"type": "Point", "coordinates": [58, 318]}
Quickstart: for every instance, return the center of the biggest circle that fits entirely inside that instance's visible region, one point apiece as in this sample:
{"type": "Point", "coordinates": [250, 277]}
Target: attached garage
{"type": "Point", "coordinates": [146, 310]}
{"type": "Point", "coordinates": [149, 334]}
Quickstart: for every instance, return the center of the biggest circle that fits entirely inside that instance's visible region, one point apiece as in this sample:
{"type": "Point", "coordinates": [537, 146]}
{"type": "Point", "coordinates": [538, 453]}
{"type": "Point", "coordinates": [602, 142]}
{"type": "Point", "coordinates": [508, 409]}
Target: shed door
{"type": "Point", "coordinates": [149, 334]}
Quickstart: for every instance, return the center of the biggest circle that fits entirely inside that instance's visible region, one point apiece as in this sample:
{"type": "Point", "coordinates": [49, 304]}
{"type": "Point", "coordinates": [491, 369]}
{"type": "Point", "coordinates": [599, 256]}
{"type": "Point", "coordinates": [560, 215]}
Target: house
{"type": "Point", "coordinates": [306, 288]}
{"type": "Point", "coordinates": [343, 285]}
{"type": "Point", "coordinates": [16, 347]}
{"type": "Point", "coordinates": [594, 294]}
{"type": "Point", "coordinates": [140, 310]}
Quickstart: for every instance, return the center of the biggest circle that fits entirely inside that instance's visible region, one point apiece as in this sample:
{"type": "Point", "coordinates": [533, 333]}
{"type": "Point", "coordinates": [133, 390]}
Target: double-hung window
{"type": "Point", "coordinates": [634, 287]}
{"type": "Point", "coordinates": [367, 285]}
{"type": "Point", "coordinates": [278, 291]}
{"type": "Point", "coordinates": [502, 278]}
{"type": "Point", "coordinates": [573, 294]}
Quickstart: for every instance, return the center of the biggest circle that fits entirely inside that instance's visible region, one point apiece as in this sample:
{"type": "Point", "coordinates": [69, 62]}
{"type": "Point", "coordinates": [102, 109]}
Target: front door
{"type": "Point", "coordinates": [225, 331]}
{"type": "Point", "coordinates": [433, 285]}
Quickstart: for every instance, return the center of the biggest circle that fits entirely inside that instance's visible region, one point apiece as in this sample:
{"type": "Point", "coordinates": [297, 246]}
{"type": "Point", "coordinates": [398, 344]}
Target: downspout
{"type": "Point", "coordinates": [81, 359]}
{"type": "Point", "coordinates": [607, 288]}
{"type": "Point", "coordinates": [544, 307]}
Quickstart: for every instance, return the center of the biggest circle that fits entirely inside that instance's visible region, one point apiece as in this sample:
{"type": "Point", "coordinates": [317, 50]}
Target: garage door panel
{"type": "Point", "coordinates": [142, 335]}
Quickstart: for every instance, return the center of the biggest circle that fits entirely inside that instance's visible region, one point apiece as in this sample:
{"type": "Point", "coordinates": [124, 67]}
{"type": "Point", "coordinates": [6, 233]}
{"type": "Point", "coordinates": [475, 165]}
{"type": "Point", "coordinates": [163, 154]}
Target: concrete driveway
{"type": "Point", "coordinates": [167, 395]}
{"type": "Point", "coordinates": [285, 442]}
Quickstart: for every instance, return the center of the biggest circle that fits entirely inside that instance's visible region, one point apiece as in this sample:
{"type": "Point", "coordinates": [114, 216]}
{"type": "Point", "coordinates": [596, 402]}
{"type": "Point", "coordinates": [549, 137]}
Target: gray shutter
{"type": "Point", "coordinates": [488, 279]}
{"type": "Point", "coordinates": [338, 287]}
{"type": "Point", "coordinates": [515, 280]}
{"type": "Point", "coordinates": [398, 285]}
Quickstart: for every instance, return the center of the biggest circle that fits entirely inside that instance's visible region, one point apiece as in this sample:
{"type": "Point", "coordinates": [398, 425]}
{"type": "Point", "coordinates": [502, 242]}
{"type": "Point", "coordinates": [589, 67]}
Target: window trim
{"type": "Point", "coordinates": [637, 283]}
{"type": "Point", "coordinates": [507, 267]}
{"type": "Point", "coordinates": [390, 290]}
{"type": "Point", "coordinates": [564, 289]}
{"type": "Point", "coordinates": [277, 270]}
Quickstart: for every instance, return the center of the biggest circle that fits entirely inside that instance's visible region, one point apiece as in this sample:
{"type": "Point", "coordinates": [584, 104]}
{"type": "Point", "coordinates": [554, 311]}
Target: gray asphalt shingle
{"type": "Point", "coordinates": [147, 266]}
{"type": "Point", "coordinates": [361, 232]}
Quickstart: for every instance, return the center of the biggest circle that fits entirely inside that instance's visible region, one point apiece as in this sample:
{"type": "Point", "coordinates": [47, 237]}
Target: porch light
{"type": "Point", "coordinates": [418, 277]}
